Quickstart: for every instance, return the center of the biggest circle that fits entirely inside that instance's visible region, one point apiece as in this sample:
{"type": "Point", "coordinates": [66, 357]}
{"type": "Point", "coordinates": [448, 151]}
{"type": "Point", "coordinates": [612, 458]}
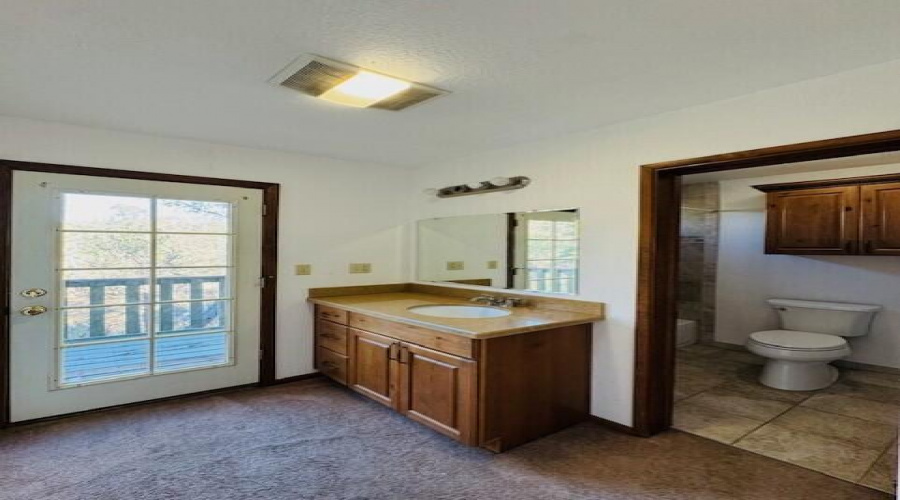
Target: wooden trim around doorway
{"type": "Point", "coordinates": [269, 268]}
{"type": "Point", "coordinates": [658, 257]}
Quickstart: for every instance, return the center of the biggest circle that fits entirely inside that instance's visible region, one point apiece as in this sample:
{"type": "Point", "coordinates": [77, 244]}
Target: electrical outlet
{"type": "Point", "coordinates": [492, 264]}
{"type": "Point", "coordinates": [303, 269]}
{"type": "Point", "coordinates": [456, 265]}
{"type": "Point", "coordinates": [360, 268]}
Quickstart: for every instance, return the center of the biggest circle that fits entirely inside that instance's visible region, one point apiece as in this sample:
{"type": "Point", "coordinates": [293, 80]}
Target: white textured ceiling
{"type": "Point", "coordinates": [519, 70]}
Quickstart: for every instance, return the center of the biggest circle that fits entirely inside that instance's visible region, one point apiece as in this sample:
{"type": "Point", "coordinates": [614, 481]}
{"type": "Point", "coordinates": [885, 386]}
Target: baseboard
{"type": "Point", "coordinates": [624, 429]}
{"type": "Point", "coordinates": [296, 378]}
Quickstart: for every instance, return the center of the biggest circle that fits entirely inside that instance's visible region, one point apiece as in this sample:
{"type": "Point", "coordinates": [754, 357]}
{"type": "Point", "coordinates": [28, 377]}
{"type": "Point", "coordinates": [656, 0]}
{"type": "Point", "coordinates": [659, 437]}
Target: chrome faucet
{"type": "Point", "coordinates": [498, 301]}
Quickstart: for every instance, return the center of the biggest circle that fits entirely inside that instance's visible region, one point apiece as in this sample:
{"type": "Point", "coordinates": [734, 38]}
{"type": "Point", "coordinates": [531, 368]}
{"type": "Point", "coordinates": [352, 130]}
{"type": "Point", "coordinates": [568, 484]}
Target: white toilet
{"type": "Point", "coordinates": [811, 337]}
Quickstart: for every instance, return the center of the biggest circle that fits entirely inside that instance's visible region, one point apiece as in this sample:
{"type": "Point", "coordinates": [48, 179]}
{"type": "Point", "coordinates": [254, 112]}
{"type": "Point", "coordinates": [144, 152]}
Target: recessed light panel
{"type": "Point", "coordinates": [352, 86]}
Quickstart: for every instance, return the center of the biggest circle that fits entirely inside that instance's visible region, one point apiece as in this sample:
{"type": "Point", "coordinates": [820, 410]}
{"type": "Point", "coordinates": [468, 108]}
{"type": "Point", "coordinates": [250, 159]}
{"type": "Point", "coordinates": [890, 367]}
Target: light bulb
{"type": "Point", "coordinates": [500, 181]}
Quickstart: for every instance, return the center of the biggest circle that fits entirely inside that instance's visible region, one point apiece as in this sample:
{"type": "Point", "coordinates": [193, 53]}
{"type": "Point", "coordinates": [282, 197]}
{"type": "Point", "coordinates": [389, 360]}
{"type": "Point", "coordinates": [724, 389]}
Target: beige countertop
{"type": "Point", "coordinates": [394, 306]}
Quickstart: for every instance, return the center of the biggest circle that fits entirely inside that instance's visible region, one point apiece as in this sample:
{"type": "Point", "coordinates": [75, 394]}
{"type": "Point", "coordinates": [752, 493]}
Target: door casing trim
{"type": "Point", "coordinates": [660, 193]}
{"type": "Point", "coordinates": [269, 265]}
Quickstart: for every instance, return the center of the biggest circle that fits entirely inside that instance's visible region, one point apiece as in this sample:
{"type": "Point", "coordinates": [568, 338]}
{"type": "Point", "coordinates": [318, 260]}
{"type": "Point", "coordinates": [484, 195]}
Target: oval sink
{"type": "Point", "coordinates": [459, 311]}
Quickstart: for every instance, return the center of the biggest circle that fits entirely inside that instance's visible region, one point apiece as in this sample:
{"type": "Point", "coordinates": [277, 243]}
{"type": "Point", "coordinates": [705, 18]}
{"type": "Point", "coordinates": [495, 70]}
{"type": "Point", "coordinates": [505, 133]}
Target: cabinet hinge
{"type": "Point", "coordinates": [265, 209]}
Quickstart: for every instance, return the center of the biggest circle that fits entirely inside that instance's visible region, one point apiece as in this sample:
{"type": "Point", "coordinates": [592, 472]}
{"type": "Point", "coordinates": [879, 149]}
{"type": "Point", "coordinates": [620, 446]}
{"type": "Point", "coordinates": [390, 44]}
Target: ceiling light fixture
{"type": "Point", "coordinates": [365, 89]}
{"type": "Point", "coordinates": [350, 85]}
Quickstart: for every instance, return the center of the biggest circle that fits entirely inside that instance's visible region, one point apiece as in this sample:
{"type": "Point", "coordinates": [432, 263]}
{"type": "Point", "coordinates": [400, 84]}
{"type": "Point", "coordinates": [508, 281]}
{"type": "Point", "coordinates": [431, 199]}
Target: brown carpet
{"type": "Point", "coordinates": [314, 440]}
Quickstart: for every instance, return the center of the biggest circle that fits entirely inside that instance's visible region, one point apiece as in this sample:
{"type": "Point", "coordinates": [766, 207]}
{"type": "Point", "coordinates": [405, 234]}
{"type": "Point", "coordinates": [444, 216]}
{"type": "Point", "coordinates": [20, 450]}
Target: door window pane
{"type": "Point", "coordinates": [90, 363]}
{"type": "Point", "coordinates": [85, 288]}
{"type": "Point", "coordinates": [187, 216]}
{"type": "Point", "coordinates": [112, 323]}
{"type": "Point", "coordinates": [88, 324]}
{"type": "Point", "coordinates": [181, 250]}
{"type": "Point", "coordinates": [191, 351]}
{"type": "Point", "coordinates": [100, 212]}
{"type": "Point", "coordinates": [193, 283]}
{"type": "Point", "coordinates": [104, 250]}
{"type": "Point", "coordinates": [183, 317]}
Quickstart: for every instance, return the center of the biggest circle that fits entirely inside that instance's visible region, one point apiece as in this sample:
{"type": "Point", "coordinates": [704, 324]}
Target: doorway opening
{"type": "Point", "coordinates": [703, 229]}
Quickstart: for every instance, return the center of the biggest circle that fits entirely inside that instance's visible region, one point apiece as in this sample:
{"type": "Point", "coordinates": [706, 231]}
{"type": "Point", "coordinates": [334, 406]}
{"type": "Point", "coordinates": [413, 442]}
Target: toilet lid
{"type": "Point", "coordinates": [806, 341]}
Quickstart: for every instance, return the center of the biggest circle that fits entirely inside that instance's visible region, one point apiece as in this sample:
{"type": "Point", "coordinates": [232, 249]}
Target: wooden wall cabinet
{"type": "Point", "coordinates": [855, 216]}
{"type": "Point", "coordinates": [496, 393]}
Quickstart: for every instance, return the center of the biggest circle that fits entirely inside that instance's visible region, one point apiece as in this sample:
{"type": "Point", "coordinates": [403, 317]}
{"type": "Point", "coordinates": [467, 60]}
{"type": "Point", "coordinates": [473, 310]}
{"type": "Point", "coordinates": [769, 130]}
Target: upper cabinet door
{"type": "Point", "coordinates": [881, 219]}
{"type": "Point", "coordinates": [821, 221]}
{"type": "Point", "coordinates": [438, 390]}
{"type": "Point", "coordinates": [371, 369]}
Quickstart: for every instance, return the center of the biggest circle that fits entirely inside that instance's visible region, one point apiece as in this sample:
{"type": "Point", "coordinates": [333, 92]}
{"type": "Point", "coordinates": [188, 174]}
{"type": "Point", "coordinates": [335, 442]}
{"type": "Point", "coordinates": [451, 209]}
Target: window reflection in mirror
{"type": "Point", "coordinates": [535, 251]}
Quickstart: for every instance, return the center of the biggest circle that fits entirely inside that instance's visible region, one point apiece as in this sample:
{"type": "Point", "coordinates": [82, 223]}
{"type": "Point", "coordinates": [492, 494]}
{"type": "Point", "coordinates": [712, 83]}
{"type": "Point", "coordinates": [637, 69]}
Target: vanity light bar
{"type": "Point", "coordinates": [492, 186]}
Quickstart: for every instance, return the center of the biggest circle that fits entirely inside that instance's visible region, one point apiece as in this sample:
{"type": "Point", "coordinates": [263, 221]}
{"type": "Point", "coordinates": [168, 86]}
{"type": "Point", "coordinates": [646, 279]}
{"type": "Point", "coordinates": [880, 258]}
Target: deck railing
{"type": "Point", "coordinates": [170, 318]}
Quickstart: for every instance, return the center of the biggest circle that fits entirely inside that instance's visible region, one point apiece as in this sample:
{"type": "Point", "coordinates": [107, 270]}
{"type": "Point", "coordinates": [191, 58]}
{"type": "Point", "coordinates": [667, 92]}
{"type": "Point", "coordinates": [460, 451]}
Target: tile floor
{"type": "Point", "coordinates": [848, 430]}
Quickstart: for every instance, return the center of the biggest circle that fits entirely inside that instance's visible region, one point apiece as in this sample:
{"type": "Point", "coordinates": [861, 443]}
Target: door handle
{"type": "Point", "coordinates": [33, 310]}
{"type": "Point", "coordinates": [33, 293]}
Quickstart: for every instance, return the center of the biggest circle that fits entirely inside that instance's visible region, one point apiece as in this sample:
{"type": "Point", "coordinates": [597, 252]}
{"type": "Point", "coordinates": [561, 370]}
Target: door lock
{"type": "Point", "coordinates": [33, 293]}
{"type": "Point", "coordinates": [33, 310]}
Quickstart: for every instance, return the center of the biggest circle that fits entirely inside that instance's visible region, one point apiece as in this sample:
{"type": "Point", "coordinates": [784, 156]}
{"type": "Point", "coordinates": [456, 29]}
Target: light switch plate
{"type": "Point", "coordinates": [492, 264]}
{"type": "Point", "coordinates": [303, 269]}
{"type": "Point", "coordinates": [360, 268]}
{"type": "Point", "coordinates": [456, 265]}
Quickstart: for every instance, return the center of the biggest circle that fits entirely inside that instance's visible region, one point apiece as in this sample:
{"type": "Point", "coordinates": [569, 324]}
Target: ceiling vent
{"type": "Point", "coordinates": [323, 78]}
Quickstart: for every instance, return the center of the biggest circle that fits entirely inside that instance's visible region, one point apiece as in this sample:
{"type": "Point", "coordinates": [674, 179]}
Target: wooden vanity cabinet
{"type": "Point", "coordinates": [856, 216]}
{"type": "Point", "coordinates": [438, 390]}
{"type": "Point", "coordinates": [496, 393]}
{"type": "Point", "coordinates": [371, 369]}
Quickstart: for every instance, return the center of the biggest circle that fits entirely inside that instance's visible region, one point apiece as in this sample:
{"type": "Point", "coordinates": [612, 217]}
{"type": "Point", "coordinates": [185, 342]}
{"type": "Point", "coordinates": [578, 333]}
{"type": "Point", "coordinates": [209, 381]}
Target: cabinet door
{"type": "Point", "coordinates": [371, 366]}
{"type": "Point", "coordinates": [821, 221]}
{"type": "Point", "coordinates": [438, 390]}
{"type": "Point", "coordinates": [881, 219]}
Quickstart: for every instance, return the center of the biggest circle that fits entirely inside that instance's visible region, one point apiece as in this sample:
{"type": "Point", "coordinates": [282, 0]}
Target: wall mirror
{"type": "Point", "coordinates": [534, 251]}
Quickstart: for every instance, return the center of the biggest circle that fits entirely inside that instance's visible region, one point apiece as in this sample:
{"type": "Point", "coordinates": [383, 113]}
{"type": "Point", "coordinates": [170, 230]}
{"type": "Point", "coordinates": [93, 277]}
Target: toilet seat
{"type": "Point", "coordinates": [791, 340]}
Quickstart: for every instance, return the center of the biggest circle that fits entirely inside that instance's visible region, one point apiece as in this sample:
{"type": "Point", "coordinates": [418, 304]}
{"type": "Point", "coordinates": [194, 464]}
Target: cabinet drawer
{"type": "Point", "coordinates": [331, 336]}
{"type": "Point", "coordinates": [332, 364]}
{"type": "Point", "coordinates": [332, 314]}
{"type": "Point", "coordinates": [439, 341]}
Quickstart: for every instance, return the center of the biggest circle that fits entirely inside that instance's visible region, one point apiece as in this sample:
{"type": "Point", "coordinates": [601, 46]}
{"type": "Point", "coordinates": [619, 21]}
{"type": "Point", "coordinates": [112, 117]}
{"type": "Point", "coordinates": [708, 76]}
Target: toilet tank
{"type": "Point", "coordinates": [832, 318]}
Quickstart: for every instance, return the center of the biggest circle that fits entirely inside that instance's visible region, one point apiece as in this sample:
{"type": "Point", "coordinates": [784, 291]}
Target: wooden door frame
{"type": "Point", "coordinates": [660, 196]}
{"type": "Point", "coordinates": [269, 267]}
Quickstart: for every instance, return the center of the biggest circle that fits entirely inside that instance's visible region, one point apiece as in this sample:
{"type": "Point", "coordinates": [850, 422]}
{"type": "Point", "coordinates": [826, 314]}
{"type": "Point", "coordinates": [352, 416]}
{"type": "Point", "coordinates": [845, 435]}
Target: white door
{"type": "Point", "coordinates": [127, 290]}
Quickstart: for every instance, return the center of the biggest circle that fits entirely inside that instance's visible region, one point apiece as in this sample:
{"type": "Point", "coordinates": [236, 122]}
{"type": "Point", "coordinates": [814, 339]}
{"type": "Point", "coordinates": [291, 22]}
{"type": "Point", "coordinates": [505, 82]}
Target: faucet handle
{"type": "Point", "coordinates": [513, 302]}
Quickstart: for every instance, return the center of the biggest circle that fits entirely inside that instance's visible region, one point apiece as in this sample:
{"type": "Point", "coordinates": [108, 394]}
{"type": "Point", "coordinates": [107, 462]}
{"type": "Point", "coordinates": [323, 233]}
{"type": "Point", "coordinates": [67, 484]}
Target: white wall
{"type": "Point", "coordinates": [597, 171]}
{"type": "Point", "coordinates": [746, 276]}
{"type": "Point", "coordinates": [332, 212]}
{"type": "Point", "coordinates": [473, 240]}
